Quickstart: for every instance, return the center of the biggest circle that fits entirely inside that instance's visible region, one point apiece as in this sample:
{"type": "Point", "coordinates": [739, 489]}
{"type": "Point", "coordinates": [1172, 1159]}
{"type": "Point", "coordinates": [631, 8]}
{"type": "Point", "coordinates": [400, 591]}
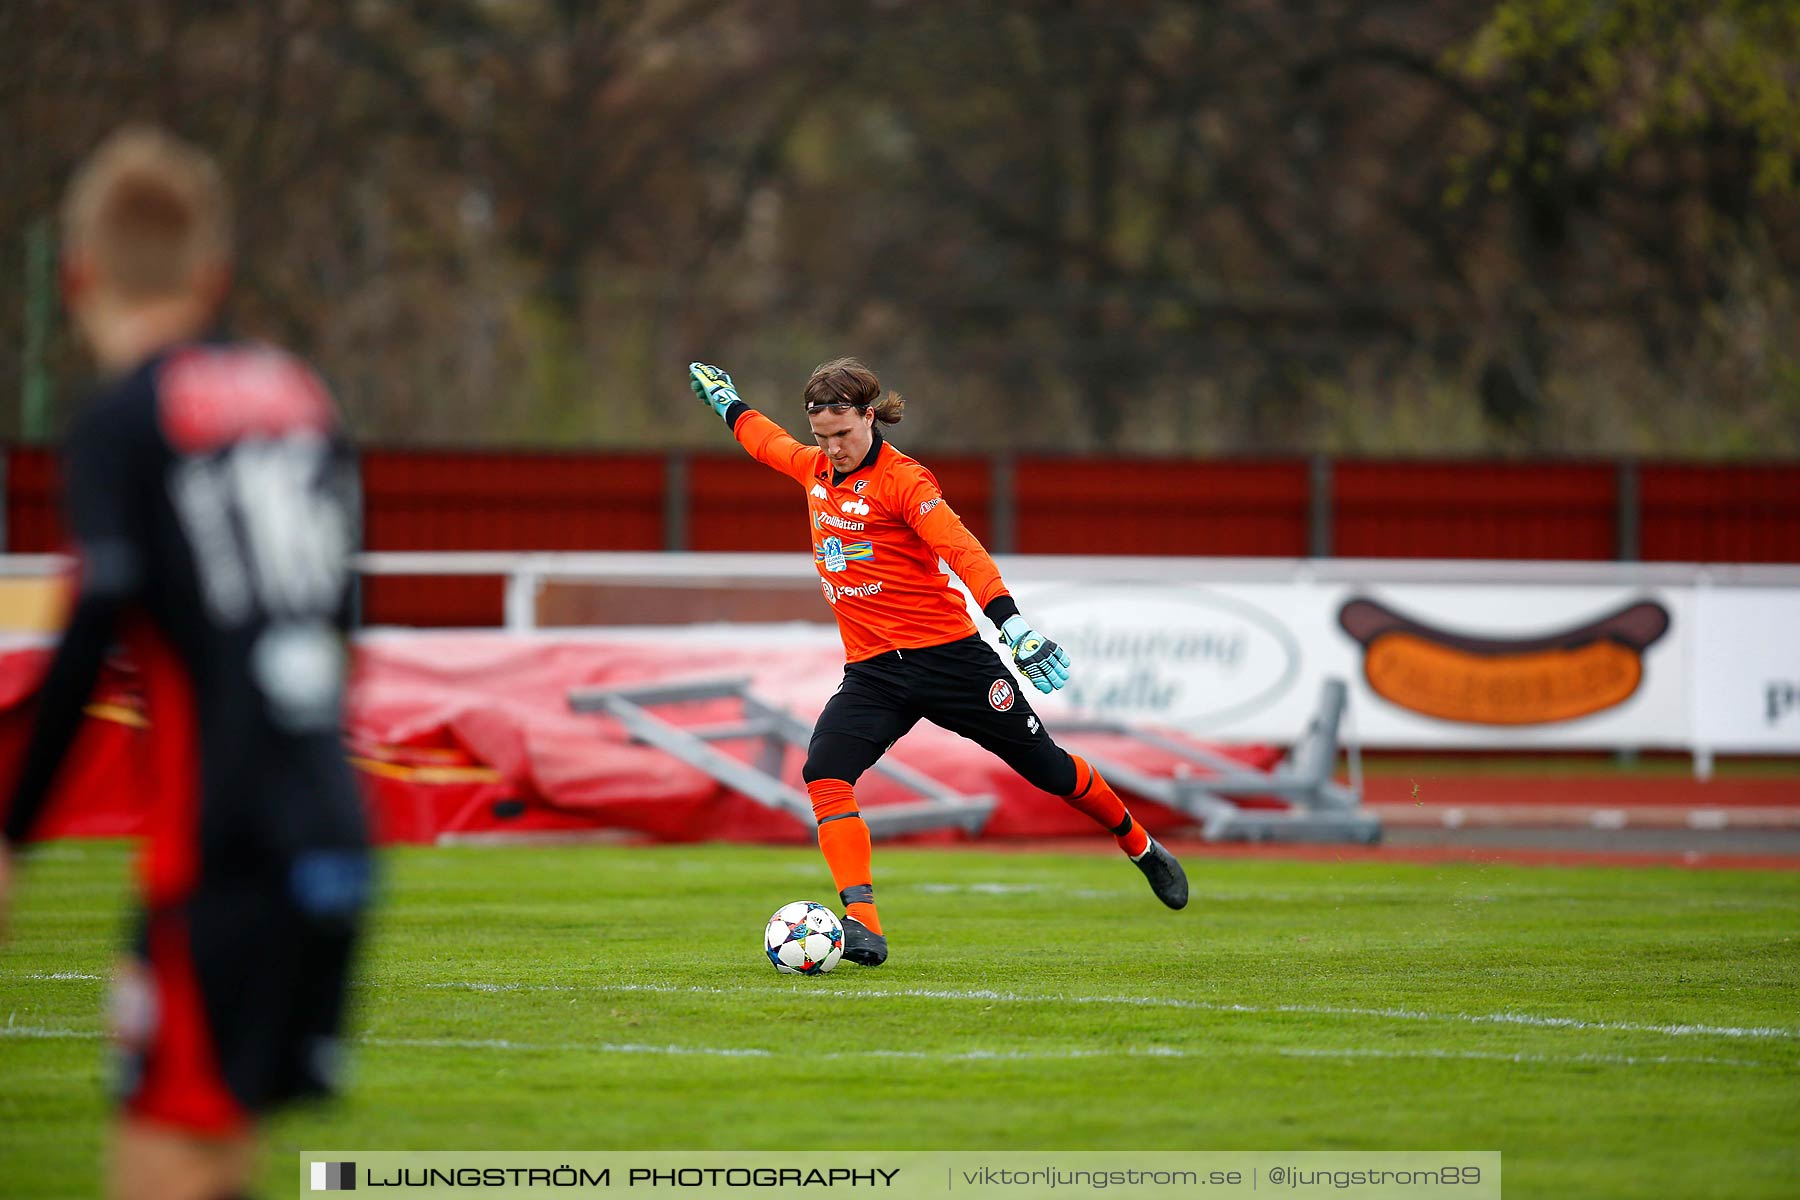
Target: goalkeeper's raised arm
{"type": "Point", "coordinates": [879, 525]}
{"type": "Point", "coordinates": [766, 441]}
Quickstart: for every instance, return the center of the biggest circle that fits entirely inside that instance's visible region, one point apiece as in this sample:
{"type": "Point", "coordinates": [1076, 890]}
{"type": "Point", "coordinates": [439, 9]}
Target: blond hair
{"type": "Point", "coordinates": [149, 211]}
{"type": "Point", "coordinates": [849, 381]}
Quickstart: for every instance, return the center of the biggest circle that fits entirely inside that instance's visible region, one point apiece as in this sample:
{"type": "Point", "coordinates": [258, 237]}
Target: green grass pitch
{"type": "Point", "coordinates": [1612, 1032]}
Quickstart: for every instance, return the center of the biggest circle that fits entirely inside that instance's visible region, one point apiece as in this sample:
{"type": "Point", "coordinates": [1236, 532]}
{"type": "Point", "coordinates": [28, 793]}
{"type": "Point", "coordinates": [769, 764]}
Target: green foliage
{"type": "Point", "coordinates": [1633, 72]}
{"type": "Point", "coordinates": [585, 999]}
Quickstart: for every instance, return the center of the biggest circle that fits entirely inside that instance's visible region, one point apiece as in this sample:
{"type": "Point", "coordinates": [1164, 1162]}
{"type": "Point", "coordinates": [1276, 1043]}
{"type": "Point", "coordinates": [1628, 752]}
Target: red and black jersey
{"type": "Point", "coordinates": [213, 505]}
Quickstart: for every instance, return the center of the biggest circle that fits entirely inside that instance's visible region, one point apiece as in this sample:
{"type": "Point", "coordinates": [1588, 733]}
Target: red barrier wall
{"type": "Point", "coordinates": [1098, 506]}
{"type": "Point", "coordinates": [498, 501]}
{"type": "Point", "coordinates": [512, 501]}
{"type": "Point", "coordinates": [33, 500]}
{"type": "Point", "coordinates": [735, 503]}
{"type": "Point", "coordinates": [1475, 510]}
{"type": "Point", "coordinates": [1745, 514]}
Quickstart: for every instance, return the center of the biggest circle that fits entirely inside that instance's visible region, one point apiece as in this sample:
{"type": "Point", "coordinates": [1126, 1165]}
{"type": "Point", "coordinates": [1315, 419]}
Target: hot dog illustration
{"type": "Point", "coordinates": [1504, 681]}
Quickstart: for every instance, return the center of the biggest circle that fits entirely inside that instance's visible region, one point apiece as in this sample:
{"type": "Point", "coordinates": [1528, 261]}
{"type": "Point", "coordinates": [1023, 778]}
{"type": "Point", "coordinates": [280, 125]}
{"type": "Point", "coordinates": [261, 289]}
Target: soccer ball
{"type": "Point", "coordinates": [804, 938]}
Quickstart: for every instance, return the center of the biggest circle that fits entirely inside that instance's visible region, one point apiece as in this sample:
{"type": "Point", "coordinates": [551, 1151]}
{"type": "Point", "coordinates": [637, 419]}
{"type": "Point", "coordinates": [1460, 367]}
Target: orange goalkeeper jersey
{"type": "Point", "coordinates": [877, 537]}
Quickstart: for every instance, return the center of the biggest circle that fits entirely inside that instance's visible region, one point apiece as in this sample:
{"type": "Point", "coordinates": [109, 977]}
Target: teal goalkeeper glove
{"type": "Point", "coordinates": [713, 386]}
{"type": "Point", "coordinates": [1039, 659]}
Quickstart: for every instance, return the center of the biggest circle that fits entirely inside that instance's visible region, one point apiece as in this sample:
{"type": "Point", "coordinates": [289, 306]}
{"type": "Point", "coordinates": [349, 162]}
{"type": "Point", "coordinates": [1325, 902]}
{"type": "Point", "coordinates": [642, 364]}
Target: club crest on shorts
{"type": "Point", "coordinates": [1000, 695]}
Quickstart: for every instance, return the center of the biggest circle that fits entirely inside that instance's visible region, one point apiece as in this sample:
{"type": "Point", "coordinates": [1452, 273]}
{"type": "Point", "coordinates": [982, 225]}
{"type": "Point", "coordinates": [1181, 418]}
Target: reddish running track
{"type": "Point", "coordinates": [1587, 791]}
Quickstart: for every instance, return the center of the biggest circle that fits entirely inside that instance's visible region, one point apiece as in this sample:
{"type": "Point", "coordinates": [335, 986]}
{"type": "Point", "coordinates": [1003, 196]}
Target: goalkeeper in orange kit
{"type": "Point", "coordinates": [879, 527]}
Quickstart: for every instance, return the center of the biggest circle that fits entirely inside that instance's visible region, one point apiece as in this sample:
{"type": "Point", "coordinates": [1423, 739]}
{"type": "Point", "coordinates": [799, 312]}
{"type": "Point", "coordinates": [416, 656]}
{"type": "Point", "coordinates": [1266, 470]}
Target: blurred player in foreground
{"type": "Point", "coordinates": [212, 503]}
{"type": "Point", "coordinates": [879, 527]}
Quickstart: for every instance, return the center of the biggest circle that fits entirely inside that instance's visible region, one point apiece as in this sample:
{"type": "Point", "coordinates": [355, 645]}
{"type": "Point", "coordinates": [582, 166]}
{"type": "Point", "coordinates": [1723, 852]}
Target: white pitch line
{"type": "Point", "coordinates": [564, 1047]}
{"type": "Point", "coordinates": [1316, 1010]}
{"type": "Point", "coordinates": [34, 1032]}
{"type": "Point", "coordinates": [60, 976]}
{"type": "Point", "coordinates": [1018, 889]}
{"type": "Point", "coordinates": [1623, 1060]}
{"type": "Point", "coordinates": [1054, 889]}
{"type": "Point", "coordinates": [673, 1050]}
{"type": "Point", "coordinates": [1174, 1052]}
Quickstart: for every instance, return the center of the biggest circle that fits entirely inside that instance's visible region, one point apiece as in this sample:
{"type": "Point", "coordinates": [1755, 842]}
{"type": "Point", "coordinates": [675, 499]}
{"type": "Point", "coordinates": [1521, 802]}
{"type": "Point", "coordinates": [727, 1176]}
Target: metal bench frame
{"type": "Point", "coordinates": [1318, 808]}
{"type": "Point", "coordinates": [939, 807]}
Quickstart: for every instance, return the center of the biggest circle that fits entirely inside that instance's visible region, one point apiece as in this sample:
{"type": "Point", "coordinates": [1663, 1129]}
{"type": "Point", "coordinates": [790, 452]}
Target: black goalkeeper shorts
{"type": "Point", "coordinates": [962, 686]}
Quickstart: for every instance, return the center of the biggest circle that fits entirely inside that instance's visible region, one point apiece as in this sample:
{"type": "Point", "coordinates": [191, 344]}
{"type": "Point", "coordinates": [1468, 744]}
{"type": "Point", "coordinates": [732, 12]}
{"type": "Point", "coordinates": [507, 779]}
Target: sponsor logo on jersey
{"type": "Point", "coordinates": [850, 591]}
{"type": "Point", "coordinates": [929, 505]}
{"type": "Point", "coordinates": [856, 508]}
{"type": "Point", "coordinates": [1000, 695]}
{"type": "Point", "coordinates": [1031, 723]}
{"type": "Point", "coordinates": [836, 554]}
{"type": "Point", "coordinates": [819, 493]}
{"type": "Point", "coordinates": [836, 522]}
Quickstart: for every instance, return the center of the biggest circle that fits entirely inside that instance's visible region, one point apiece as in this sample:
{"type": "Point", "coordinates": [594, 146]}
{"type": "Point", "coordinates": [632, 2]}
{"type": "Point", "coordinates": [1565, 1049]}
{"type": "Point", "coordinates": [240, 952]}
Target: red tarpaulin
{"type": "Point", "coordinates": [461, 733]}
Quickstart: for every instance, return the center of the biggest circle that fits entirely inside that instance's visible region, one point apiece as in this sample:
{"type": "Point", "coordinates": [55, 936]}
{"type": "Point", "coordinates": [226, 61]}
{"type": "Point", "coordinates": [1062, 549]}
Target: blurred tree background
{"type": "Point", "coordinates": [1242, 226]}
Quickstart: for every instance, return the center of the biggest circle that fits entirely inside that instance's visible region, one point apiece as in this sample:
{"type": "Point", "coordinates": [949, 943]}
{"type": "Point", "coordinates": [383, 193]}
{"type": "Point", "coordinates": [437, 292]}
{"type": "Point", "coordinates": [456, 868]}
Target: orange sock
{"type": "Point", "coordinates": [1095, 798]}
{"type": "Point", "coordinates": [844, 839]}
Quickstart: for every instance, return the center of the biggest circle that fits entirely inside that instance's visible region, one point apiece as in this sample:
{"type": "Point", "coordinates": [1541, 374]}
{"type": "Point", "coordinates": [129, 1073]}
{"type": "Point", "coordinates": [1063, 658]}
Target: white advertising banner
{"type": "Point", "coordinates": [1454, 665]}
{"type": "Point", "coordinates": [1747, 670]}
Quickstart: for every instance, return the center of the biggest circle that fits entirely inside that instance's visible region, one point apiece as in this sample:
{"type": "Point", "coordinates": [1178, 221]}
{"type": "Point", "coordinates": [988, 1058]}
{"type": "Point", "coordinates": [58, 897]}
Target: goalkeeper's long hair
{"type": "Point", "coordinates": [850, 381]}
